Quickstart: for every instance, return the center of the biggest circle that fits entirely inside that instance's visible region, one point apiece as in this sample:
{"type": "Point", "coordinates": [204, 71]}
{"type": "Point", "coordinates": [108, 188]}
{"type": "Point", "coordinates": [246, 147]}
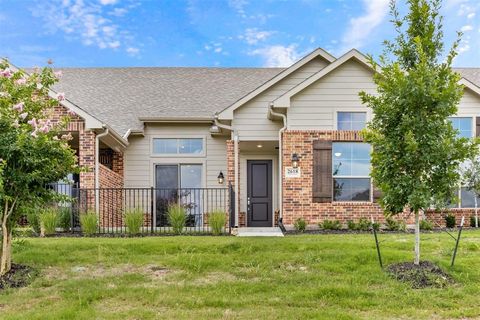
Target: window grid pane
{"type": "Point", "coordinates": [351, 120]}
{"type": "Point", "coordinates": [463, 125]}
{"type": "Point", "coordinates": [351, 189]}
{"type": "Point", "coordinates": [351, 159]}
{"type": "Point", "coordinates": [177, 146]}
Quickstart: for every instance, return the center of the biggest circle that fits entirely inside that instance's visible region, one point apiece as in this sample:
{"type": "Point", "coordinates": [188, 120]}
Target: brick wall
{"type": "Point", "coordinates": [297, 192]}
{"type": "Point", "coordinates": [111, 198]}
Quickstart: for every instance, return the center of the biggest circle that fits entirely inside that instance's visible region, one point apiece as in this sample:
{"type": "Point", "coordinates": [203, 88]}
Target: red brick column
{"type": "Point", "coordinates": [117, 163]}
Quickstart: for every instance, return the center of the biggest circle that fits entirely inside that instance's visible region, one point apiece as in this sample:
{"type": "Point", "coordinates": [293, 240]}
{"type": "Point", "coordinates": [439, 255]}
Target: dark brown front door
{"type": "Point", "coordinates": [259, 193]}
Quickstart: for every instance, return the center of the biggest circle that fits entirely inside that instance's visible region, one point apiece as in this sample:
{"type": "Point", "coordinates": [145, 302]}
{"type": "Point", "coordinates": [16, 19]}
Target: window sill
{"type": "Point", "coordinates": [343, 203]}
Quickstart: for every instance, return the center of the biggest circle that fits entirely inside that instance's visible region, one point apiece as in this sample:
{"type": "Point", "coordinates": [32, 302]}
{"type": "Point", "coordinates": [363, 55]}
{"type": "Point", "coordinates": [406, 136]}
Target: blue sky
{"type": "Point", "coordinates": [243, 33]}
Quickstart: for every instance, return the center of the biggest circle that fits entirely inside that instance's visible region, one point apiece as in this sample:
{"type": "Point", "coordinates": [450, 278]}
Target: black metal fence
{"type": "Point", "coordinates": [112, 204]}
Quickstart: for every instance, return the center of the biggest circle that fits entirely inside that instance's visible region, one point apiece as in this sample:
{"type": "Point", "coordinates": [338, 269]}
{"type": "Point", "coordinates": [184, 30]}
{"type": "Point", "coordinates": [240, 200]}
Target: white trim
{"type": "Point", "coordinates": [179, 155]}
{"type": "Point", "coordinates": [470, 85]}
{"type": "Point", "coordinates": [227, 113]}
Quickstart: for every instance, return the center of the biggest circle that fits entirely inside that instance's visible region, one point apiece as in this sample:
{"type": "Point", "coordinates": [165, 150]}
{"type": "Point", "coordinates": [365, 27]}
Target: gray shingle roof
{"type": "Point", "coordinates": [471, 74]}
{"type": "Point", "coordinates": [119, 96]}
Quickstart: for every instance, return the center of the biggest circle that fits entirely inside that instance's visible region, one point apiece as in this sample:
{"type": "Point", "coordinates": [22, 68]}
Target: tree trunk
{"type": "Point", "coordinates": [417, 238]}
{"type": "Point", "coordinates": [6, 255]}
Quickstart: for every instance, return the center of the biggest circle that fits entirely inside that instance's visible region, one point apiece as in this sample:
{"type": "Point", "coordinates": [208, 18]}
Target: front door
{"type": "Point", "coordinates": [259, 193]}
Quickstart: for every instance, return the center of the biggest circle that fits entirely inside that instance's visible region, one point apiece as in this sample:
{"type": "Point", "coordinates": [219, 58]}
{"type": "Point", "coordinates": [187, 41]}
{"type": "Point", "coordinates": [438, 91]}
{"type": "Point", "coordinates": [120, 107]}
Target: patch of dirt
{"type": "Point", "coordinates": [424, 275]}
{"type": "Point", "coordinates": [19, 276]}
{"type": "Point", "coordinates": [154, 272]}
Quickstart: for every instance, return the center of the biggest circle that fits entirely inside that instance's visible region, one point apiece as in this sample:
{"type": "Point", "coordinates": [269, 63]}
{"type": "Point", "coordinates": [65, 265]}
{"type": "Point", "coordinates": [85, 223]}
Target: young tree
{"type": "Point", "coordinates": [33, 150]}
{"type": "Point", "coordinates": [416, 152]}
{"type": "Point", "coordinates": [471, 180]}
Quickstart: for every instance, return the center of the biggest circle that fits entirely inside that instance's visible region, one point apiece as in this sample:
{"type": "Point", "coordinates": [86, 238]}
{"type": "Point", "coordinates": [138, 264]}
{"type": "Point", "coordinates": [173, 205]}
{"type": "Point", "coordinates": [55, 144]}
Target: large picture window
{"type": "Point", "coordinates": [351, 120]}
{"type": "Point", "coordinates": [178, 146]}
{"type": "Point", "coordinates": [463, 125]}
{"type": "Point", "coordinates": [351, 171]}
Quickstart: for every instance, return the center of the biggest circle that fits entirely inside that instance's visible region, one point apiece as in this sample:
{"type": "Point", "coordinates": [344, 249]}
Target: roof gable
{"type": "Point", "coordinates": [284, 100]}
{"type": "Point", "coordinates": [227, 113]}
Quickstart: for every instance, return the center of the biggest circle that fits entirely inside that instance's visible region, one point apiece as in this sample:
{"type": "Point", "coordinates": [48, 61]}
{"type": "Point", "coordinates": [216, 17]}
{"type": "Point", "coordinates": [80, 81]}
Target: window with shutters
{"type": "Point", "coordinates": [351, 171]}
{"type": "Point", "coordinates": [463, 125]}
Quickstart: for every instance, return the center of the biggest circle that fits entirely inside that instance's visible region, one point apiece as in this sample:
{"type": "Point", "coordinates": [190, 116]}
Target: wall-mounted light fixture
{"type": "Point", "coordinates": [295, 160]}
{"type": "Point", "coordinates": [220, 178]}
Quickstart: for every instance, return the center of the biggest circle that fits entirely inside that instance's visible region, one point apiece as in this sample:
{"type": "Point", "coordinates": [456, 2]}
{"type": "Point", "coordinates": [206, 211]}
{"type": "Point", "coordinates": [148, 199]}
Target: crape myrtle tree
{"type": "Point", "coordinates": [33, 149]}
{"type": "Point", "coordinates": [416, 153]}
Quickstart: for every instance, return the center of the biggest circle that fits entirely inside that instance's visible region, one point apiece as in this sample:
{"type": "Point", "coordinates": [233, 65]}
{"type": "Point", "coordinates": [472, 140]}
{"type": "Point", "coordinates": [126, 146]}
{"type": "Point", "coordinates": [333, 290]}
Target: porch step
{"type": "Point", "coordinates": [259, 232]}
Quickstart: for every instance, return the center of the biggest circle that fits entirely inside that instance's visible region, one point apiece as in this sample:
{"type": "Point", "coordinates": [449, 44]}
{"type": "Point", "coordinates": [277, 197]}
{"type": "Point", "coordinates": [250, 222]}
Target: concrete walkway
{"type": "Point", "coordinates": [259, 232]}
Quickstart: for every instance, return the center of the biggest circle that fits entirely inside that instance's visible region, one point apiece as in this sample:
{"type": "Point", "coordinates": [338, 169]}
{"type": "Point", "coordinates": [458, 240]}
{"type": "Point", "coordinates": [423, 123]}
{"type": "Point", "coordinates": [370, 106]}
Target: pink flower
{"type": "Point", "coordinates": [16, 124]}
{"type": "Point", "coordinates": [21, 81]}
{"type": "Point", "coordinates": [34, 134]}
{"type": "Point", "coordinates": [33, 123]}
{"type": "Point", "coordinates": [7, 73]}
{"type": "Point", "coordinates": [18, 107]}
{"type": "Point", "coordinates": [45, 129]}
{"type": "Point", "coordinates": [61, 96]}
{"type": "Point", "coordinates": [58, 74]}
{"type": "Point", "coordinates": [72, 113]}
{"type": "Point", "coordinates": [23, 115]}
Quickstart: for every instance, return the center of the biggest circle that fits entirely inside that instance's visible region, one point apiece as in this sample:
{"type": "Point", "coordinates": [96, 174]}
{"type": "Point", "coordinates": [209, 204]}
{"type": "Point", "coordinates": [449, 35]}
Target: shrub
{"type": "Point", "coordinates": [217, 220]}
{"type": "Point", "coordinates": [331, 225]}
{"type": "Point", "coordinates": [472, 221]}
{"type": "Point", "coordinates": [300, 225]}
{"type": "Point", "coordinates": [88, 222]}
{"type": "Point", "coordinates": [364, 224]}
{"type": "Point", "coordinates": [426, 225]}
{"type": "Point", "coordinates": [376, 226]}
{"type": "Point", "coordinates": [394, 225]}
{"type": "Point", "coordinates": [177, 218]}
{"type": "Point", "coordinates": [450, 221]}
{"type": "Point", "coordinates": [134, 221]}
{"type": "Point", "coordinates": [351, 225]}
{"type": "Point", "coordinates": [33, 220]}
{"type": "Point", "coordinates": [48, 221]}
{"type": "Point", "coordinates": [64, 218]}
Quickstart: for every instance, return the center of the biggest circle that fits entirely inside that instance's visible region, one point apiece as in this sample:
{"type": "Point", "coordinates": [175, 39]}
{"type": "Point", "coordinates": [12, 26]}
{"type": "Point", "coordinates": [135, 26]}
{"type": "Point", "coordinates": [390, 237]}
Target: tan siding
{"type": "Point", "coordinates": [314, 108]}
{"type": "Point", "coordinates": [139, 161]}
{"type": "Point", "coordinates": [469, 105]}
{"type": "Point", "coordinates": [251, 119]}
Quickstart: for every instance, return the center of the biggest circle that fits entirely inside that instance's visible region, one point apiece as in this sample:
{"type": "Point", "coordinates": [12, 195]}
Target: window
{"type": "Point", "coordinates": [463, 125]}
{"type": "Point", "coordinates": [351, 171]}
{"type": "Point", "coordinates": [468, 199]}
{"type": "Point", "coordinates": [177, 146]}
{"type": "Point", "coordinates": [351, 120]}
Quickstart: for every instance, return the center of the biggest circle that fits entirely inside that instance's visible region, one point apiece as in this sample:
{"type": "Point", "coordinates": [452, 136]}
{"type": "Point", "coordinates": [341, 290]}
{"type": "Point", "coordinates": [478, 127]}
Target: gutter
{"type": "Point", "coordinates": [97, 166]}
{"type": "Point", "coordinates": [236, 162]}
{"type": "Point", "coordinates": [280, 161]}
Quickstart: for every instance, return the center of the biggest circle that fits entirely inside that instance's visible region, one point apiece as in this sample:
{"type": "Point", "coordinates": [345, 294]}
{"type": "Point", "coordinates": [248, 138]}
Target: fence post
{"type": "Point", "coordinates": [151, 209]}
{"type": "Point", "coordinates": [457, 241]}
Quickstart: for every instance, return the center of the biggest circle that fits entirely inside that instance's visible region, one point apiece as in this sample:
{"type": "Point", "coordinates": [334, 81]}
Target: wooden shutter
{"type": "Point", "coordinates": [322, 171]}
{"type": "Point", "coordinates": [477, 127]}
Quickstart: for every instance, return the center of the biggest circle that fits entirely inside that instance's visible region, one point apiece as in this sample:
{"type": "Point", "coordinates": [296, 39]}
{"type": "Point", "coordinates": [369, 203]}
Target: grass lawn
{"type": "Point", "coordinates": [305, 276]}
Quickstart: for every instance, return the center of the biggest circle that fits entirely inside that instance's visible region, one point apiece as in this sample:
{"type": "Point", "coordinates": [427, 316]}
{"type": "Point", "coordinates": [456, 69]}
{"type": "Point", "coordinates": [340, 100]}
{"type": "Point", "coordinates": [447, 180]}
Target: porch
{"type": "Point", "coordinates": [113, 203]}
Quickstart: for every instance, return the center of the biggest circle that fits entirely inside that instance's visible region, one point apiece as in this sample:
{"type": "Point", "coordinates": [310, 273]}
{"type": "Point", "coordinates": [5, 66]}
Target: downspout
{"type": "Point", "coordinates": [97, 167]}
{"type": "Point", "coordinates": [280, 159]}
{"type": "Point", "coordinates": [235, 150]}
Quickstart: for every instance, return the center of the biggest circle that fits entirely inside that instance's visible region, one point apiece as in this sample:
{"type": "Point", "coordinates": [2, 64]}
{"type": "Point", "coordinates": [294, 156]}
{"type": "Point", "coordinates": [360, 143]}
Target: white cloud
{"type": "Point", "coordinates": [360, 27]}
{"type": "Point", "coordinates": [133, 51]}
{"type": "Point", "coordinates": [108, 2]}
{"type": "Point", "coordinates": [118, 12]}
{"type": "Point", "coordinates": [277, 55]}
{"type": "Point", "coordinates": [466, 28]}
{"type": "Point", "coordinates": [252, 35]}
{"type": "Point", "coordinates": [84, 21]}
{"type": "Point", "coordinates": [239, 7]}
{"type": "Point", "coordinates": [471, 15]}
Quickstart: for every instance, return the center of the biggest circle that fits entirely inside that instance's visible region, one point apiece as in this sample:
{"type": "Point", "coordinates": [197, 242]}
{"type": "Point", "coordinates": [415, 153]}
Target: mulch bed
{"type": "Point", "coordinates": [19, 276]}
{"type": "Point", "coordinates": [424, 275]}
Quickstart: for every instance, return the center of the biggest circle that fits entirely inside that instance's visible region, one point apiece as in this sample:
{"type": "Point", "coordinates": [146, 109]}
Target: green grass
{"type": "Point", "coordinates": [304, 276]}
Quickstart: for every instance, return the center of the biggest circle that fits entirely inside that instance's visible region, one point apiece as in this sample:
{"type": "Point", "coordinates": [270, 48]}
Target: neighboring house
{"type": "Point", "coordinates": [286, 140]}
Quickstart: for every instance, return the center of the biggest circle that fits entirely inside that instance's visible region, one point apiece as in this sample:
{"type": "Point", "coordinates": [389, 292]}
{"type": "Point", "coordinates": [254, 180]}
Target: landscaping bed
{"type": "Point", "coordinates": [19, 276]}
{"type": "Point", "coordinates": [424, 275]}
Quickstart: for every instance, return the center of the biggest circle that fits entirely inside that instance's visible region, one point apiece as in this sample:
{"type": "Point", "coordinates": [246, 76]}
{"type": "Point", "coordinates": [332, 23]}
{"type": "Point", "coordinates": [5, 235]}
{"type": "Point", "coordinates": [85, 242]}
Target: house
{"type": "Point", "coordinates": [286, 140]}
